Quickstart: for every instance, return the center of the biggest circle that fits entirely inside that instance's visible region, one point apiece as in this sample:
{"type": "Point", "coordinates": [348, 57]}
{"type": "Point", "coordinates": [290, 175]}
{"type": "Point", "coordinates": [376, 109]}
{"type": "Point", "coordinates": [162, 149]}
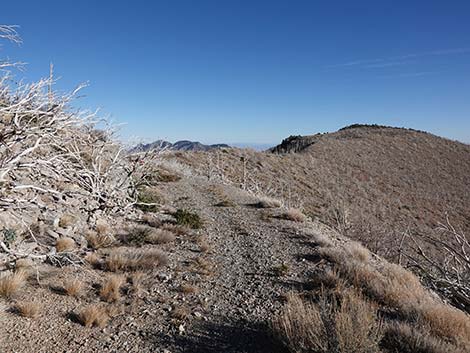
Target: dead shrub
{"type": "Point", "coordinates": [293, 214]}
{"type": "Point", "coordinates": [135, 259]}
{"type": "Point", "coordinates": [64, 244]}
{"type": "Point", "coordinates": [93, 315]}
{"type": "Point", "coordinates": [10, 284]}
{"type": "Point", "coordinates": [28, 308]}
{"type": "Point", "coordinates": [111, 288]}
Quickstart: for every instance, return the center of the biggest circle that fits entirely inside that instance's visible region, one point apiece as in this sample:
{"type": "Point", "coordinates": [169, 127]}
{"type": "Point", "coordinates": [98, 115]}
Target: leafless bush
{"type": "Point", "coordinates": [448, 274]}
{"type": "Point", "coordinates": [54, 156]}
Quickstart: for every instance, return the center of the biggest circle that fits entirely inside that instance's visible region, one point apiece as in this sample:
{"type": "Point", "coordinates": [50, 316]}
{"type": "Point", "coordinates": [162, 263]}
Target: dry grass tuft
{"type": "Point", "coordinates": [357, 328]}
{"type": "Point", "coordinates": [293, 214]}
{"type": "Point", "coordinates": [110, 291]}
{"type": "Point", "coordinates": [29, 309]}
{"type": "Point", "coordinates": [405, 338]}
{"type": "Point", "coordinates": [24, 264]}
{"type": "Point", "coordinates": [137, 280]}
{"type": "Point", "coordinates": [203, 244]}
{"type": "Point", "coordinates": [10, 284]}
{"type": "Point", "coordinates": [300, 326]}
{"type": "Point", "coordinates": [64, 244]}
{"type": "Point", "coordinates": [268, 202]}
{"type": "Point", "coordinates": [67, 220]}
{"type": "Point", "coordinates": [151, 220]}
{"type": "Point", "coordinates": [181, 313]}
{"type": "Point", "coordinates": [93, 259]}
{"type": "Point", "coordinates": [344, 323]}
{"type": "Point", "coordinates": [123, 259]}
{"type": "Point", "coordinates": [176, 229]}
{"type": "Point", "coordinates": [160, 236]}
{"type": "Point", "coordinates": [102, 227]}
{"type": "Point", "coordinates": [321, 240]}
{"type": "Point", "coordinates": [93, 315]}
{"type": "Point", "coordinates": [358, 252]}
{"type": "Point", "coordinates": [73, 287]}
{"type": "Point", "coordinates": [188, 289]}
{"type": "Point", "coordinates": [99, 240]}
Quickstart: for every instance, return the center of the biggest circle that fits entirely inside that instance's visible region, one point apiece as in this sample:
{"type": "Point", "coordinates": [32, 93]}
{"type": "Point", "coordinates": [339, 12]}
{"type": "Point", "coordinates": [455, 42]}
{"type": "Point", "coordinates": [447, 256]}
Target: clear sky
{"type": "Point", "coordinates": [254, 71]}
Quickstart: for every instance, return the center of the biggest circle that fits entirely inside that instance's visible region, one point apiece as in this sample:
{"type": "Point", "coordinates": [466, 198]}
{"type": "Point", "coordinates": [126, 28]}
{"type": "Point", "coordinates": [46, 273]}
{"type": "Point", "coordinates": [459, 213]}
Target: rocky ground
{"type": "Point", "coordinates": [221, 287]}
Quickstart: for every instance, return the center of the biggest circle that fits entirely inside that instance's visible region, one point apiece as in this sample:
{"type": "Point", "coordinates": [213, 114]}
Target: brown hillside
{"type": "Point", "coordinates": [372, 183]}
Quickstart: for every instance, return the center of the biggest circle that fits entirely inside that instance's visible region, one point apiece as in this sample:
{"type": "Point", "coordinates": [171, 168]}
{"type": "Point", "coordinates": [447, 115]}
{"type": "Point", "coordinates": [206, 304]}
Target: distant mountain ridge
{"type": "Point", "coordinates": [183, 145]}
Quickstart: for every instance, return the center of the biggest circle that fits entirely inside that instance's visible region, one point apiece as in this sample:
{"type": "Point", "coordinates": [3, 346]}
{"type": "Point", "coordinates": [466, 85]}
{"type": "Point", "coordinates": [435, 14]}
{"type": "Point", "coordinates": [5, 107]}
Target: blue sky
{"type": "Point", "coordinates": [254, 71]}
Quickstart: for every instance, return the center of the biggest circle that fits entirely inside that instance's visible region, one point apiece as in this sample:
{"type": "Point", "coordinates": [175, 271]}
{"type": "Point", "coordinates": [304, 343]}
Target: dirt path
{"type": "Point", "coordinates": [248, 246]}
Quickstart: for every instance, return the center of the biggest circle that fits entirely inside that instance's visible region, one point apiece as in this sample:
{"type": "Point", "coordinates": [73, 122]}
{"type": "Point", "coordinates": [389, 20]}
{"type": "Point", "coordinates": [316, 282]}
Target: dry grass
{"type": "Point", "coordinates": [160, 236]}
{"type": "Point", "coordinates": [123, 259]}
{"type": "Point", "coordinates": [10, 284]}
{"type": "Point", "coordinates": [203, 244]}
{"type": "Point", "coordinates": [93, 259]}
{"type": "Point", "coordinates": [300, 326]}
{"type": "Point", "coordinates": [176, 229]}
{"type": "Point", "coordinates": [188, 289]}
{"type": "Point", "coordinates": [293, 214]}
{"type": "Point", "coordinates": [102, 227]}
{"type": "Point", "coordinates": [346, 323]}
{"type": "Point", "coordinates": [65, 244]}
{"type": "Point", "coordinates": [67, 220]}
{"type": "Point", "coordinates": [93, 315]}
{"type": "Point", "coordinates": [398, 289]}
{"type": "Point", "coordinates": [98, 240]}
{"type": "Point", "coordinates": [137, 282]}
{"type": "Point", "coordinates": [281, 270]}
{"type": "Point", "coordinates": [151, 220]}
{"type": "Point", "coordinates": [30, 309]}
{"type": "Point", "coordinates": [181, 313]}
{"type": "Point", "coordinates": [203, 266]}
{"type": "Point", "coordinates": [357, 328]}
{"type": "Point", "coordinates": [405, 338]}
{"type": "Point", "coordinates": [268, 202]}
{"type": "Point", "coordinates": [24, 264]}
{"type": "Point", "coordinates": [111, 289]}
{"type": "Point", "coordinates": [73, 287]}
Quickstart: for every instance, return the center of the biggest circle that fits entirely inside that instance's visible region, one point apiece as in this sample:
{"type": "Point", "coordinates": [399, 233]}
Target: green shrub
{"type": "Point", "coordinates": [186, 218]}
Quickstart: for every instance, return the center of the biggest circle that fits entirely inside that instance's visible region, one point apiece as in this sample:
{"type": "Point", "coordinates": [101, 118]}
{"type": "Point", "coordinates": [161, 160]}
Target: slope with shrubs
{"type": "Point", "coordinates": [387, 187]}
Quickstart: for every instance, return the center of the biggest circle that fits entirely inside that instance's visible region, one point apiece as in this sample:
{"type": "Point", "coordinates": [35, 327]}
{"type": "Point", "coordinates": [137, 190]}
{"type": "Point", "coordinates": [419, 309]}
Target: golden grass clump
{"type": "Point", "coordinates": [160, 236]}
{"type": "Point", "coordinates": [405, 338]}
{"type": "Point", "coordinates": [99, 240]}
{"type": "Point", "coordinates": [64, 244]}
{"type": "Point", "coordinates": [135, 259]}
{"type": "Point", "coordinates": [73, 287]}
{"type": "Point", "coordinates": [93, 315]}
{"type": "Point", "coordinates": [30, 309]}
{"type": "Point", "coordinates": [67, 220]}
{"type": "Point", "coordinates": [111, 289]}
{"type": "Point", "coordinates": [93, 259]}
{"type": "Point", "coordinates": [10, 284]}
{"type": "Point", "coordinates": [293, 214]}
{"type": "Point", "coordinates": [357, 328]}
{"type": "Point", "coordinates": [342, 322]}
{"type": "Point", "coordinates": [300, 326]}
